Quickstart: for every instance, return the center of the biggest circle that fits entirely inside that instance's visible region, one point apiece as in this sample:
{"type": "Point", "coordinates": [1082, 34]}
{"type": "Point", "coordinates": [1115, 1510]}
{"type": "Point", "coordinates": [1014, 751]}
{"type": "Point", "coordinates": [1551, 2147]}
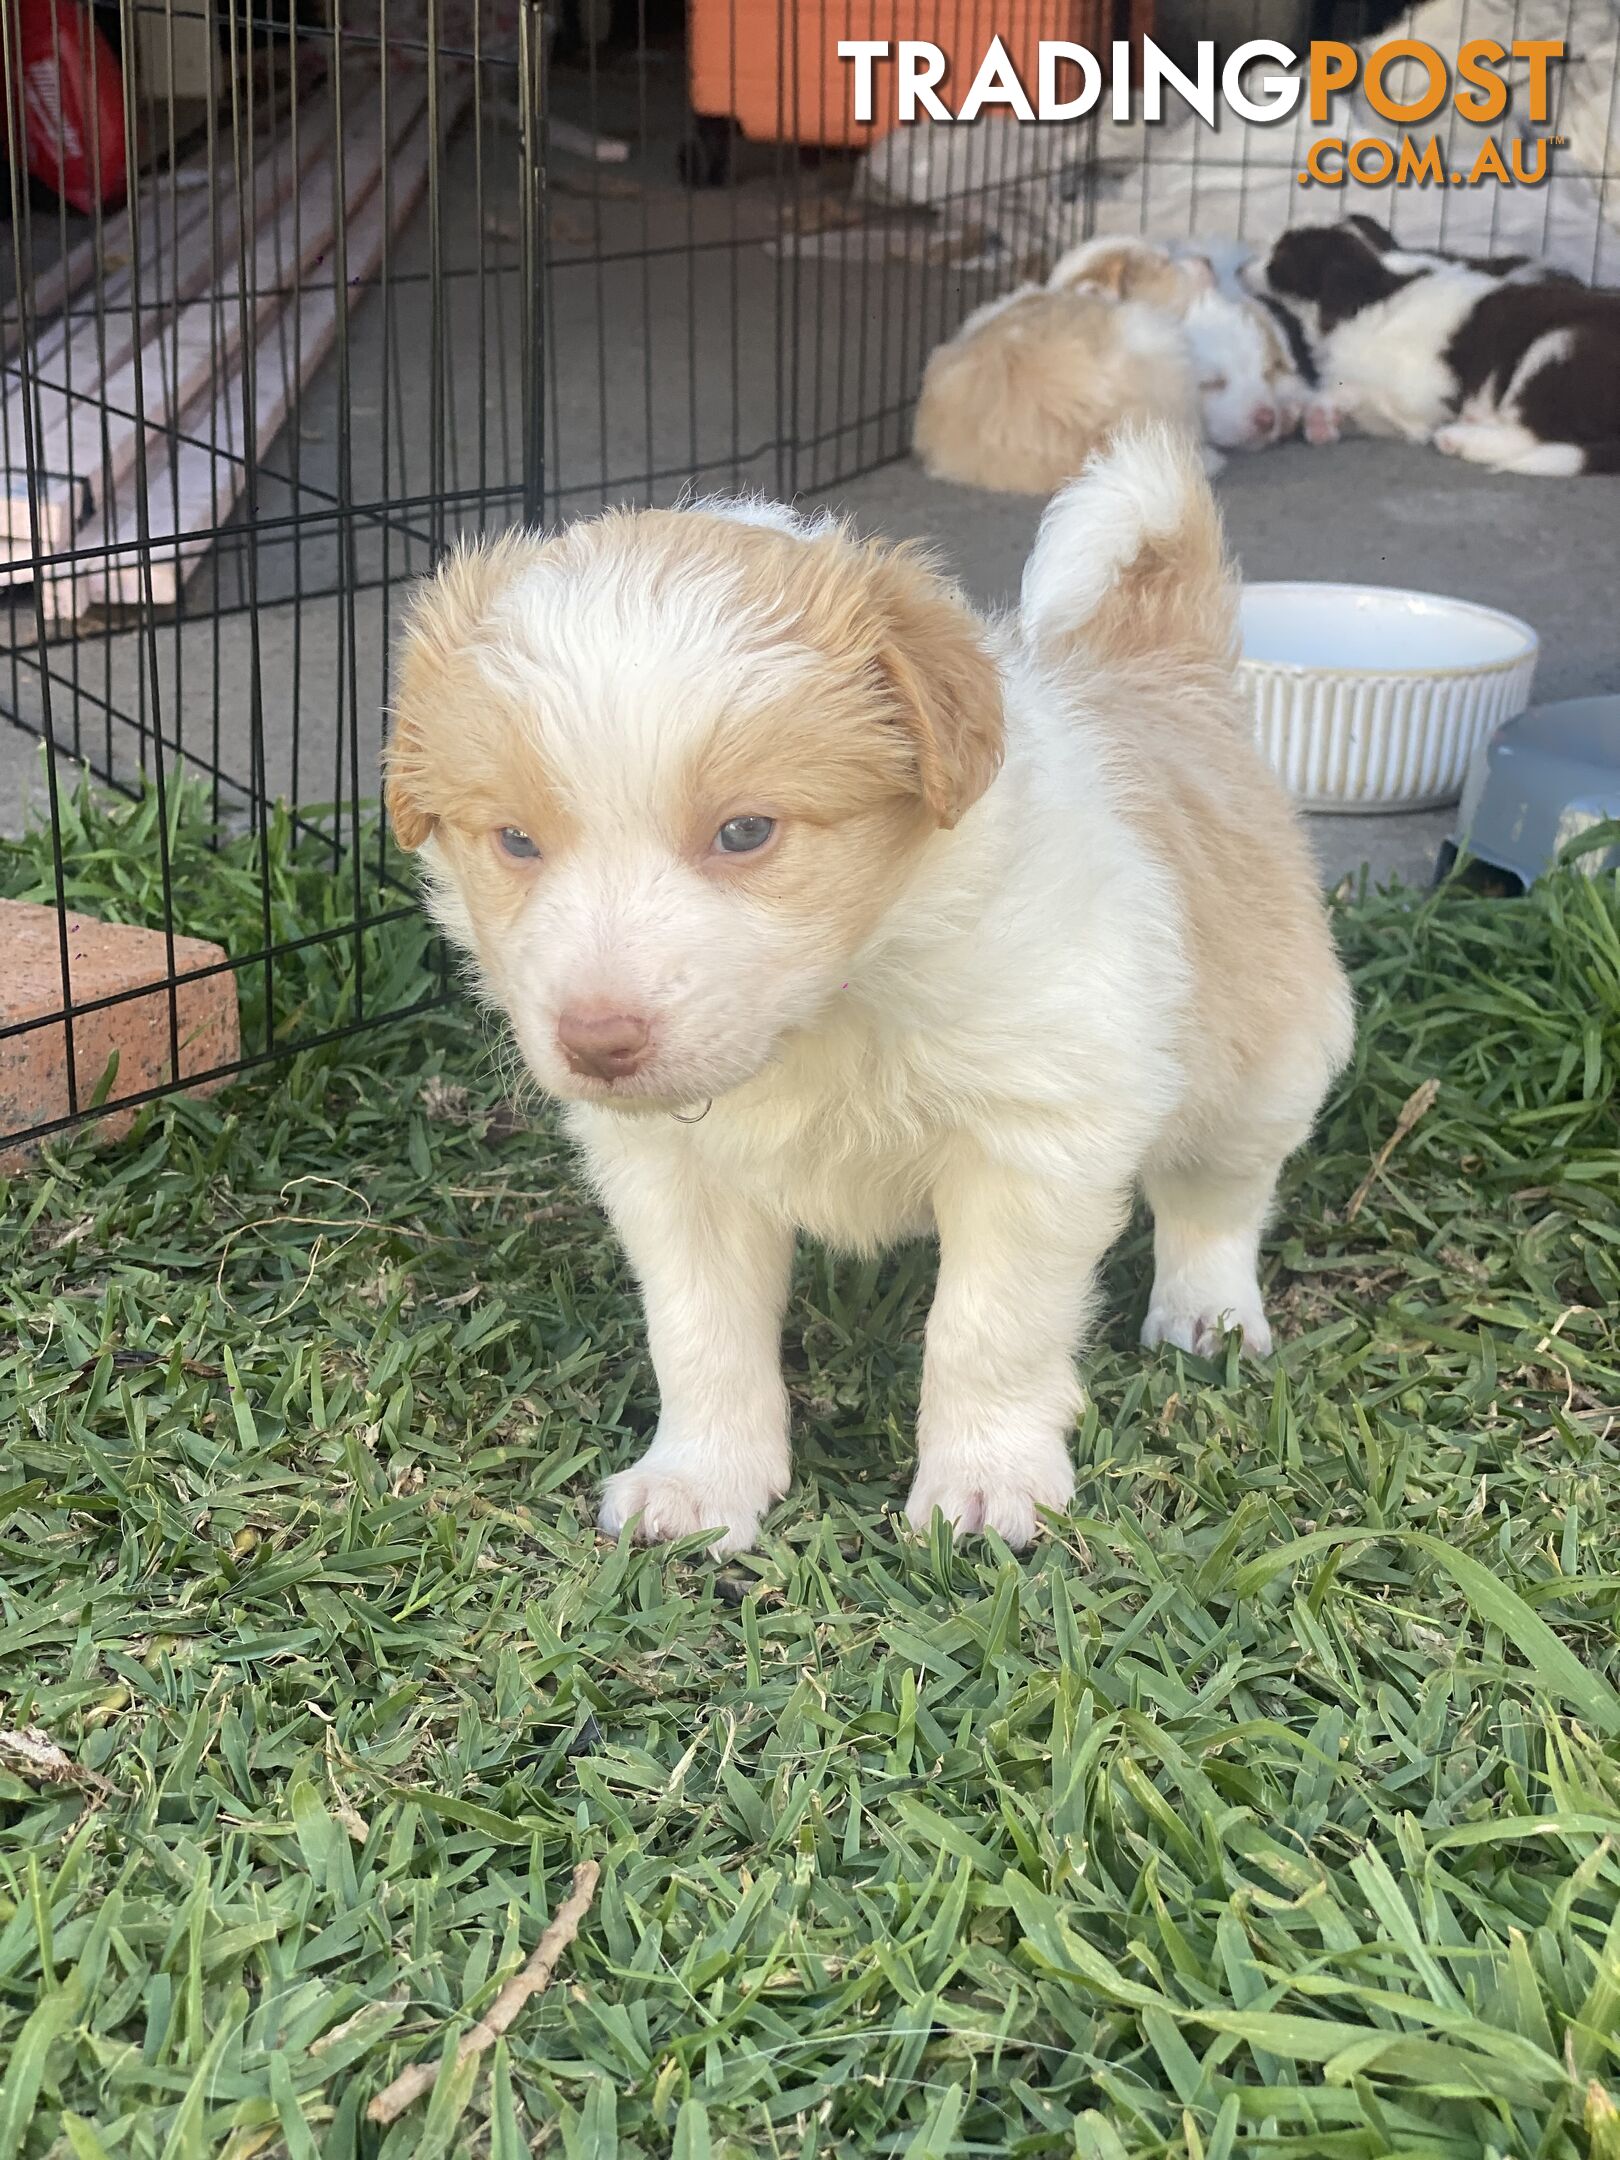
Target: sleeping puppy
{"type": "Point", "coordinates": [1250, 389]}
{"type": "Point", "coordinates": [827, 906]}
{"type": "Point", "coordinates": [1033, 383]}
{"type": "Point", "coordinates": [1492, 361]}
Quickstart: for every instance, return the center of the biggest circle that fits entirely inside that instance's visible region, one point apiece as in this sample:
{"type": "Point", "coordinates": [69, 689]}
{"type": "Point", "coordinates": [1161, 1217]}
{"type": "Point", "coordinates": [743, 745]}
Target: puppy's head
{"type": "Point", "coordinates": [1249, 390]}
{"type": "Point", "coordinates": [668, 771]}
{"type": "Point", "coordinates": [1327, 273]}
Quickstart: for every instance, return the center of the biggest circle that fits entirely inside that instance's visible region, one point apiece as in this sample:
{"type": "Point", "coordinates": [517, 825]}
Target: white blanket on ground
{"type": "Point", "coordinates": [1181, 181]}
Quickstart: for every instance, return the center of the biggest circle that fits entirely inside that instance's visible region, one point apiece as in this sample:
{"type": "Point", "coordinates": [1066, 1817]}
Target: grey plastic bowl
{"type": "Point", "coordinates": [1539, 783]}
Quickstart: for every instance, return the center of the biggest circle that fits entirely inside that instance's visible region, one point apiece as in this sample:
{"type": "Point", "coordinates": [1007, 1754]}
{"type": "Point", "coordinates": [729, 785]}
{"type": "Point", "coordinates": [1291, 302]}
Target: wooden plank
{"type": "Point", "coordinates": [188, 502]}
{"type": "Point", "coordinates": [60, 492]}
{"type": "Point", "coordinates": [78, 361]}
{"type": "Point", "coordinates": [178, 205]}
{"type": "Point", "coordinates": [193, 489]}
{"type": "Point", "coordinates": [63, 504]}
{"type": "Point", "coordinates": [202, 340]}
{"type": "Point", "coordinates": [56, 285]}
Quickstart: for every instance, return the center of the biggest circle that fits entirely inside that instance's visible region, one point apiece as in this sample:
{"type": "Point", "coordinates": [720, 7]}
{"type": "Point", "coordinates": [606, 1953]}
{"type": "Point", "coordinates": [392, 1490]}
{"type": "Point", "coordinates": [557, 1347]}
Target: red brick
{"type": "Point", "coordinates": [103, 959]}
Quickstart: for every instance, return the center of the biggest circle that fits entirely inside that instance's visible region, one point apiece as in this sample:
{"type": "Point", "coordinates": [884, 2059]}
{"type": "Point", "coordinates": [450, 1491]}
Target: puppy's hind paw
{"type": "Point", "coordinates": [1200, 1327]}
{"type": "Point", "coordinates": [665, 1503]}
{"type": "Point", "coordinates": [1006, 1498]}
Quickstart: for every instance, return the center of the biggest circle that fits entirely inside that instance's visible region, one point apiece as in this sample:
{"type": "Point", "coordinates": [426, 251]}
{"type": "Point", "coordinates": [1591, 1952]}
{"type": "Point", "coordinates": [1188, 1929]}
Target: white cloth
{"type": "Point", "coordinates": [1238, 181]}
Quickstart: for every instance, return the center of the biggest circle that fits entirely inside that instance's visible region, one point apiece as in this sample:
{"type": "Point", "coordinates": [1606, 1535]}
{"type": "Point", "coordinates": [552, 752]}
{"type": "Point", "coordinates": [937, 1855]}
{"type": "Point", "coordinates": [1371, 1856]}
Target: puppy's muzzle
{"type": "Point", "coordinates": [603, 1045]}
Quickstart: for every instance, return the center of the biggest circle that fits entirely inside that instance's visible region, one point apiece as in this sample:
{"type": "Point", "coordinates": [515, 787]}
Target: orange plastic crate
{"type": "Point", "coordinates": [773, 65]}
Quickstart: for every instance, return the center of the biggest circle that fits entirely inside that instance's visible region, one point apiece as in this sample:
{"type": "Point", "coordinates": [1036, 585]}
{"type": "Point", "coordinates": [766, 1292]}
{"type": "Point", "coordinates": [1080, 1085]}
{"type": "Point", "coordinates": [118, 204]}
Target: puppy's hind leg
{"type": "Point", "coordinates": [1507, 447]}
{"type": "Point", "coordinates": [1211, 1184]}
{"type": "Point", "coordinates": [1207, 1226]}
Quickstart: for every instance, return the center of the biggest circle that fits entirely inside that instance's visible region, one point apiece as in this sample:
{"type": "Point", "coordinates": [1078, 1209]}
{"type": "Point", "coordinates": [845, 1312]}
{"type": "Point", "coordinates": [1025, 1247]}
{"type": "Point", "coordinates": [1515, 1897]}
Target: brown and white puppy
{"type": "Point", "coordinates": [827, 906]}
{"type": "Point", "coordinates": [1033, 383]}
{"type": "Point", "coordinates": [1492, 360]}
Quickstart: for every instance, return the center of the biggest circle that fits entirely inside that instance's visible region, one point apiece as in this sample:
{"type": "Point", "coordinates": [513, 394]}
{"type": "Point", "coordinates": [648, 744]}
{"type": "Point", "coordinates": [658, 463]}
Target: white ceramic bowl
{"type": "Point", "coordinates": [1369, 698]}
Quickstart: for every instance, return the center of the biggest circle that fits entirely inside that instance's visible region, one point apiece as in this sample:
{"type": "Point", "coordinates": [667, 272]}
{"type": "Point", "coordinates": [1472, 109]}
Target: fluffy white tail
{"type": "Point", "coordinates": [1129, 565]}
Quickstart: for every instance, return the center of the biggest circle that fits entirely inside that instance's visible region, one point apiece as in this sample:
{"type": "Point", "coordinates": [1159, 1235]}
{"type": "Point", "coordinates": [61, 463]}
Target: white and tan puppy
{"type": "Point", "coordinates": [828, 906]}
{"type": "Point", "coordinates": [1033, 383]}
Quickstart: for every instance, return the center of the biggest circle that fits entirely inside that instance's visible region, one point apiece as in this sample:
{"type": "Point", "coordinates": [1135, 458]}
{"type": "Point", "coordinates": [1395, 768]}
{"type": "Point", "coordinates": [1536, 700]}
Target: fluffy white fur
{"type": "Point", "coordinates": [1095, 965]}
{"type": "Point", "coordinates": [1384, 369]}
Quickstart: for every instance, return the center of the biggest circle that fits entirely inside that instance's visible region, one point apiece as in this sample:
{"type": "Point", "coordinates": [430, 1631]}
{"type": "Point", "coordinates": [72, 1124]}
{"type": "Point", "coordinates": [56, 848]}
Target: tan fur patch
{"type": "Point", "coordinates": [1133, 270]}
{"type": "Point", "coordinates": [904, 652]}
{"type": "Point", "coordinates": [1154, 666]}
{"type": "Point", "coordinates": [429, 772]}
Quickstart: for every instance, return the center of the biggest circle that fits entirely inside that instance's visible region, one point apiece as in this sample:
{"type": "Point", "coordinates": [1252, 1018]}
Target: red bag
{"type": "Point", "coordinates": [72, 97]}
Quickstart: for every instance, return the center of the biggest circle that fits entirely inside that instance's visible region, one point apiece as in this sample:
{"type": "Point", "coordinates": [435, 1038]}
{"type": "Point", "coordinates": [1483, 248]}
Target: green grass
{"type": "Point", "coordinates": [1270, 1808]}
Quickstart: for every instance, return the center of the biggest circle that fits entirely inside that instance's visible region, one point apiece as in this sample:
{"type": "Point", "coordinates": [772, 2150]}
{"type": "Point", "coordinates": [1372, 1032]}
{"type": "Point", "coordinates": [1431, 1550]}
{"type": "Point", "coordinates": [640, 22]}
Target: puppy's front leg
{"type": "Point", "coordinates": [1017, 1262]}
{"type": "Point", "coordinates": [714, 1274]}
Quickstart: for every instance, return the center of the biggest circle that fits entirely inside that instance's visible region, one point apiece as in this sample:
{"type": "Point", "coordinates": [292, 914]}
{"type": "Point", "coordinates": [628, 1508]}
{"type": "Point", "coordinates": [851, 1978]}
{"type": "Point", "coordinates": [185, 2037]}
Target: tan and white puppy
{"type": "Point", "coordinates": [1033, 383]}
{"type": "Point", "coordinates": [827, 906]}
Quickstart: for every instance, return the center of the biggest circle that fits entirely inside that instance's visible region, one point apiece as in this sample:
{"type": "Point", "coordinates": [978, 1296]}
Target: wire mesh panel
{"type": "Point", "coordinates": [731, 298]}
{"type": "Point", "coordinates": [244, 399]}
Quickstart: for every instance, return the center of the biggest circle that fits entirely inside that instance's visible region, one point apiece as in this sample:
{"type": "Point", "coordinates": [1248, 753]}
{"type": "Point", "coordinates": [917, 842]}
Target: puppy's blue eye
{"type": "Point", "coordinates": [741, 835]}
{"type": "Point", "coordinates": [514, 841]}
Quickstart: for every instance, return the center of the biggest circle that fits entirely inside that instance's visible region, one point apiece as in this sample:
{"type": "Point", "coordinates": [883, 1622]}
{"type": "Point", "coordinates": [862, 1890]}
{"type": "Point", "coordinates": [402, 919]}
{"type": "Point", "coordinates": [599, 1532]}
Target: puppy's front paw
{"type": "Point", "coordinates": [986, 1490]}
{"type": "Point", "coordinates": [1201, 1325]}
{"type": "Point", "coordinates": [666, 1501]}
{"type": "Point", "coordinates": [1322, 421]}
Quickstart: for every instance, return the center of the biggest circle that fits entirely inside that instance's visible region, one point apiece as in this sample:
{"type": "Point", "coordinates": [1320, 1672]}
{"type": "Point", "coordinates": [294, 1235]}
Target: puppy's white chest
{"type": "Point", "coordinates": [845, 1168]}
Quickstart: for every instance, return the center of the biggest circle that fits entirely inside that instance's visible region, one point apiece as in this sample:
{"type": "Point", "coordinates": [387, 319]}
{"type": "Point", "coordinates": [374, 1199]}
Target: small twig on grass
{"type": "Point", "coordinates": [391, 2103]}
{"type": "Point", "coordinates": [32, 1754]}
{"type": "Point", "coordinates": [1420, 1101]}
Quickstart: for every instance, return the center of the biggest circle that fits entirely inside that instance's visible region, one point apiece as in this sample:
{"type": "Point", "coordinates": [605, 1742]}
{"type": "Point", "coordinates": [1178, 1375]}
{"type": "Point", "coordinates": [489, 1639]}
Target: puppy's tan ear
{"type": "Point", "coordinates": [945, 688]}
{"type": "Point", "coordinates": [1099, 266]}
{"type": "Point", "coordinates": [412, 825]}
{"type": "Point", "coordinates": [1115, 273]}
{"type": "Point", "coordinates": [442, 621]}
{"type": "Point", "coordinates": [408, 754]}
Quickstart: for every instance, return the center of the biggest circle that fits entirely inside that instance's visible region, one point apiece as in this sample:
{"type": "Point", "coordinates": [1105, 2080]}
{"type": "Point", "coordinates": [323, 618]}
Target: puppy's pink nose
{"type": "Point", "coordinates": [607, 1045]}
{"type": "Point", "coordinates": [1265, 419]}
